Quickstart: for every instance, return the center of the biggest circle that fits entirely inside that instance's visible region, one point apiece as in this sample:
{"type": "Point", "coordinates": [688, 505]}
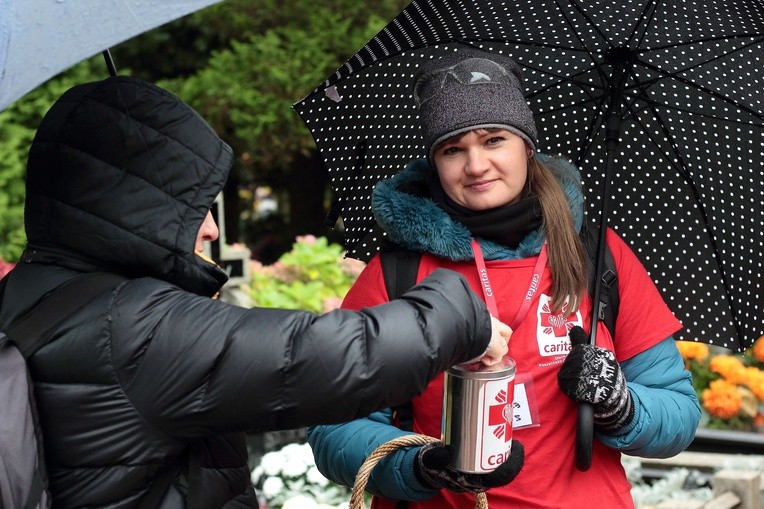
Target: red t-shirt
{"type": "Point", "coordinates": [544, 418]}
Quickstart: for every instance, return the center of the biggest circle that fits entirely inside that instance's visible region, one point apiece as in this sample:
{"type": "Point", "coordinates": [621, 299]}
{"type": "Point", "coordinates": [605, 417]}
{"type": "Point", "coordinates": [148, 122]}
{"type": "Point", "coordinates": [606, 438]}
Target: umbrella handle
{"type": "Point", "coordinates": [584, 436]}
{"type": "Point", "coordinates": [585, 418]}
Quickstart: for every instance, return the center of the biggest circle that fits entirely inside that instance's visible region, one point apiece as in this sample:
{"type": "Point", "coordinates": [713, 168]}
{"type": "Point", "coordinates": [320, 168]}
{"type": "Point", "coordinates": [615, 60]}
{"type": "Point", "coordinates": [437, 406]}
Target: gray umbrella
{"type": "Point", "coordinates": [39, 39]}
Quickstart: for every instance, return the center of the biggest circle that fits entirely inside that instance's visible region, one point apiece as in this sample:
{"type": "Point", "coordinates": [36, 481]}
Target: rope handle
{"type": "Point", "coordinates": [362, 477]}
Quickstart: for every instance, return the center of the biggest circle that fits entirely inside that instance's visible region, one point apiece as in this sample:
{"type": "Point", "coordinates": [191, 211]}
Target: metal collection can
{"type": "Point", "coordinates": [477, 415]}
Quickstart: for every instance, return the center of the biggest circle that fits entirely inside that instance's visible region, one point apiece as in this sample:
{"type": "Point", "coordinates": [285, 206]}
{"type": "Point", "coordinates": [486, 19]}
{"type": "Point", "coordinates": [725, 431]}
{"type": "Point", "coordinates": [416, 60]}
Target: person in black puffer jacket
{"type": "Point", "coordinates": [154, 376]}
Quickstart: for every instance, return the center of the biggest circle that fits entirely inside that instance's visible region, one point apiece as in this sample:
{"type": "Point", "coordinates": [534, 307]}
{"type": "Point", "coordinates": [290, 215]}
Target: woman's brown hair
{"type": "Point", "coordinates": [567, 256]}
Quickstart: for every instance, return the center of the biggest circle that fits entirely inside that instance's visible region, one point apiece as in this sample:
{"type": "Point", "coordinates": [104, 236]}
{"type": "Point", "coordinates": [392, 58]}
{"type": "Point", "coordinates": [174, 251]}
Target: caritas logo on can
{"type": "Point", "coordinates": [477, 414]}
{"type": "Point", "coordinates": [494, 438]}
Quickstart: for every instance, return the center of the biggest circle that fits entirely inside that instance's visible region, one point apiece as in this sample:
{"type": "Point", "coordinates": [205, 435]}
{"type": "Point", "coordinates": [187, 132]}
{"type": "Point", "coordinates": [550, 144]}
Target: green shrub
{"type": "Point", "coordinates": [313, 276]}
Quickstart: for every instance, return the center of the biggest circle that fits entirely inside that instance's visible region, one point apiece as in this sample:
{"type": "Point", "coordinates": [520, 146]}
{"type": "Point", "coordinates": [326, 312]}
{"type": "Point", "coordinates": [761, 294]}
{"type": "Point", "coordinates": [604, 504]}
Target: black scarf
{"type": "Point", "coordinates": [506, 225]}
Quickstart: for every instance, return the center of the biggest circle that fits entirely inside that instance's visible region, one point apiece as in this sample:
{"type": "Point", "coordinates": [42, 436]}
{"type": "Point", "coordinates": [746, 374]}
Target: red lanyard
{"type": "Point", "coordinates": [490, 299]}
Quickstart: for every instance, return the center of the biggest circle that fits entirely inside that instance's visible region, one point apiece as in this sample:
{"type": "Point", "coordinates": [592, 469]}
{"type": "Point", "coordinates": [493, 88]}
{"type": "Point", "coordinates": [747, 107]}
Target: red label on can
{"type": "Point", "coordinates": [495, 441]}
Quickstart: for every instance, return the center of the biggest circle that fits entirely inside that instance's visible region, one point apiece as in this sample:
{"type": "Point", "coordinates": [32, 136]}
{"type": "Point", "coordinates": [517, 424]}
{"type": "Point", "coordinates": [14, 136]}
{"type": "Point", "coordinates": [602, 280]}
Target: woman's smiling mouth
{"type": "Point", "coordinates": [483, 185]}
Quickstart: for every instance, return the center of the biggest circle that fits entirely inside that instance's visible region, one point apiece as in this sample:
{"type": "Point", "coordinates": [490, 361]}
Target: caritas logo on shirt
{"type": "Point", "coordinates": [552, 329]}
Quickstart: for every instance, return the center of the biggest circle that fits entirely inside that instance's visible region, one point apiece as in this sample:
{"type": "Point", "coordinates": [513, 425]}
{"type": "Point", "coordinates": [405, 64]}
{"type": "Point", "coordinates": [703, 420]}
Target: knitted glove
{"type": "Point", "coordinates": [431, 468]}
{"type": "Point", "coordinates": [591, 375]}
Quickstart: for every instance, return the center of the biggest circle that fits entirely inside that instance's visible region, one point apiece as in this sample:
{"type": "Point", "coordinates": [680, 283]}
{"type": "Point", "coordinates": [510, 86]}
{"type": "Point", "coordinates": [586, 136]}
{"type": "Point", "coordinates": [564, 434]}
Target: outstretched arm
{"type": "Point", "coordinates": [209, 366]}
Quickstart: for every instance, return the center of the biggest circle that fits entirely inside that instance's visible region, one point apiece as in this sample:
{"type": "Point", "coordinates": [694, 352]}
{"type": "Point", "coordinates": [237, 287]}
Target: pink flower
{"type": "Point", "coordinates": [331, 303]}
{"type": "Point", "coordinates": [306, 239]}
{"type": "Point", "coordinates": [352, 266]}
{"type": "Point", "coordinates": [5, 268]}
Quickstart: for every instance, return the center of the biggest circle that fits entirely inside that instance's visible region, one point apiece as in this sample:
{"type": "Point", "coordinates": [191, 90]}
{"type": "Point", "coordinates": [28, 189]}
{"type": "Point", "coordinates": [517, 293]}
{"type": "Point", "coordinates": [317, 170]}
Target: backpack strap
{"type": "Point", "coordinates": [27, 336]}
{"type": "Point", "coordinates": [609, 298]}
{"type": "Point", "coordinates": [399, 269]}
{"type": "Point", "coordinates": [26, 332]}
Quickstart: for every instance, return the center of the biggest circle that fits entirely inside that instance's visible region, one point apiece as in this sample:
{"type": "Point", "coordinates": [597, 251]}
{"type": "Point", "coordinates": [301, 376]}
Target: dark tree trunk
{"type": "Point", "coordinates": [306, 186]}
{"type": "Point", "coordinates": [232, 208]}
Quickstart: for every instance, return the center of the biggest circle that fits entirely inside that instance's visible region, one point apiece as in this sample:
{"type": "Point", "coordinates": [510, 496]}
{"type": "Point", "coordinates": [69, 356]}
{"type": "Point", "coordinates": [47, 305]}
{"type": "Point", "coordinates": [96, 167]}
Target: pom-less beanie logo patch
{"type": "Point", "coordinates": [478, 77]}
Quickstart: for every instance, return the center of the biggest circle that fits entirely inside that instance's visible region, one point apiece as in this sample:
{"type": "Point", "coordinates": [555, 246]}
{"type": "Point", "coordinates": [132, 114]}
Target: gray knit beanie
{"type": "Point", "coordinates": [469, 89]}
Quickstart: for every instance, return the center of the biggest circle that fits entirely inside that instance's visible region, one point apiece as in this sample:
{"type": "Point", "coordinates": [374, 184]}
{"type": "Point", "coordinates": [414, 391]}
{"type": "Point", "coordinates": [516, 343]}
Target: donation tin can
{"type": "Point", "coordinates": [477, 415]}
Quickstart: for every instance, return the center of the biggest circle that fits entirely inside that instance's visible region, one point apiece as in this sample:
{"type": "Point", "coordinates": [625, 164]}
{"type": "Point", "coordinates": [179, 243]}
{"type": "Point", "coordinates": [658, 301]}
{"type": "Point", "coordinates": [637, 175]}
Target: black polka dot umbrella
{"type": "Point", "coordinates": [658, 103]}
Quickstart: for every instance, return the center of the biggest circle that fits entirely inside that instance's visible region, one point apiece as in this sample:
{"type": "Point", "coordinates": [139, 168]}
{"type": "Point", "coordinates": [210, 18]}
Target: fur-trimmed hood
{"type": "Point", "coordinates": [417, 223]}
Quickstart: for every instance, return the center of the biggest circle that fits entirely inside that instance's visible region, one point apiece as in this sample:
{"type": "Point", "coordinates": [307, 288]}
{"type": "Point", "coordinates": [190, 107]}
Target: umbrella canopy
{"type": "Point", "coordinates": [39, 39]}
{"type": "Point", "coordinates": [666, 96]}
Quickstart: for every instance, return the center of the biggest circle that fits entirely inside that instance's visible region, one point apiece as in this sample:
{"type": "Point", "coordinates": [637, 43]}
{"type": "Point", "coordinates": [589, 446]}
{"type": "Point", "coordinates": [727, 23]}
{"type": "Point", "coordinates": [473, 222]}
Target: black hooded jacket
{"type": "Point", "coordinates": [154, 375]}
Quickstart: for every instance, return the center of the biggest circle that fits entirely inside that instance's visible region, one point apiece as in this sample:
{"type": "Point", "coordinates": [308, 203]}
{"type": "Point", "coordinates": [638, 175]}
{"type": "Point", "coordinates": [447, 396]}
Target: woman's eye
{"type": "Point", "coordinates": [450, 150]}
{"type": "Point", "coordinates": [493, 140]}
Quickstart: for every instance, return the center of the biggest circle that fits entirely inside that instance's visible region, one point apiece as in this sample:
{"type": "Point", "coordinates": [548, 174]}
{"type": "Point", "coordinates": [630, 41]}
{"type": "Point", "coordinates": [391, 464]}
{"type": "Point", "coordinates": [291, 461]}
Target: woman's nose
{"type": "Point", "coordinates": [477, 162]}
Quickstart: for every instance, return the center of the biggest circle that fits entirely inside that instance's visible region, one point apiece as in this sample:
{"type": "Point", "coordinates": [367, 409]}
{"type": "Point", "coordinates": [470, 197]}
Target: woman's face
{"type": "Point", "coordinates": [483, 169]}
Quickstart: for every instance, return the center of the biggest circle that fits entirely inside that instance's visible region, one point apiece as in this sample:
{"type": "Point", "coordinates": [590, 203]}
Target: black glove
{"type": "Point", "coordinates": [431, 468]}
{"type": "Point", "coordinates": [592, 375]}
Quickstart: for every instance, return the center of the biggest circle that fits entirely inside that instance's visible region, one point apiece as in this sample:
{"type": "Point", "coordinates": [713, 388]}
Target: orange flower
{"type": "Point", "coordinates": [758, 349]}
{"type": "Point", "coordinates": [722, 399]}
{"type": "Point", "coordinates": [749, 406]}
{"type": "Point", "coordinates": [729, 367]}
{"type": "Point", "coordinates": [692, 350]}
{"type": "Point", "coordinates": [754, 380]}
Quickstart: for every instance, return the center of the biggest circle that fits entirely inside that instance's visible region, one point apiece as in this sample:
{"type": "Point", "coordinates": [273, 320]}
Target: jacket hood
{"type": "Point", "coordinates": [120, 176]}
{"type": "Point", "coordinates": [416, 222]}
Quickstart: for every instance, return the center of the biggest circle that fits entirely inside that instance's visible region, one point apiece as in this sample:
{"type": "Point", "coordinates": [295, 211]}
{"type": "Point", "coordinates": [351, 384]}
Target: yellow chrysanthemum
{"type": "Point", "coordinates": [729, 367]}
{"type": "Point", "coordinates": [722, 399]}
{"type": "Point", "coordinates": [692, 350]}
{"type": "Point", "coordinates": [758, 349]}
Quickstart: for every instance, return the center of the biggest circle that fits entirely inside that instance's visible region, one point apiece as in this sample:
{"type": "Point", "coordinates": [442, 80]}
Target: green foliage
{"type": "Point", "coordinates": [182, 47]}
{"type": "Point", "coordinates": [14, 138]}
{"type": "Point", "coordinates": [17, 127]}
{"type": "Point", "coordinates": [312, 276]}
{"type": "Point", "coordinates": [702, 376]}
{"type": "Point", "coordinates": [242, 65]}
{"type": "Point", "coordinates": [246, 91]}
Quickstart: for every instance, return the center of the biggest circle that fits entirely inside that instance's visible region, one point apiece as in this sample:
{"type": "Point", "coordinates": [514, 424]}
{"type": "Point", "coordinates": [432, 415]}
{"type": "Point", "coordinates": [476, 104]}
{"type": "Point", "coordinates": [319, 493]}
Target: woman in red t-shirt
{"type": "Point", "coordinates": [484, 180]}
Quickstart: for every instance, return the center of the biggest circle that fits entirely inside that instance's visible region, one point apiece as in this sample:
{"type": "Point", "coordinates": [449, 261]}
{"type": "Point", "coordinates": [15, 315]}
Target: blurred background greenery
{"type": "Point", "coordinates": [241, 64]}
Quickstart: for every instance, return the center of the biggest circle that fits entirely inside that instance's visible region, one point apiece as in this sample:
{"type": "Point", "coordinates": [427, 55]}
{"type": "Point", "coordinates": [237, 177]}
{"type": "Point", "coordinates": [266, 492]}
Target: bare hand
{"type": "Point", "coordinates": [497, 348]}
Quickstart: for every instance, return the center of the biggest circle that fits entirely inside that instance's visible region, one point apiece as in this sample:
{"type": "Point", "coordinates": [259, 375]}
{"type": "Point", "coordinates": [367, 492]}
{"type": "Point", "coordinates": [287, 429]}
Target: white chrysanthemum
{"type": "Point", "coordinates": [294, 468]}
{"type": "Point", "coordinates": [257, 473]}
{"type": "Point", "coordinates": [272, 487]}
{"type": "Point", "coordinates": [300, 502]}
{"type": "Point", "coordinates": [293, 481]}
{"type": "Point", "coordinates": [301, 453]}
{"type": "Point", "coordinates": [316, 477]}
{"type": "Point", "coordinates": [273, 463]}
